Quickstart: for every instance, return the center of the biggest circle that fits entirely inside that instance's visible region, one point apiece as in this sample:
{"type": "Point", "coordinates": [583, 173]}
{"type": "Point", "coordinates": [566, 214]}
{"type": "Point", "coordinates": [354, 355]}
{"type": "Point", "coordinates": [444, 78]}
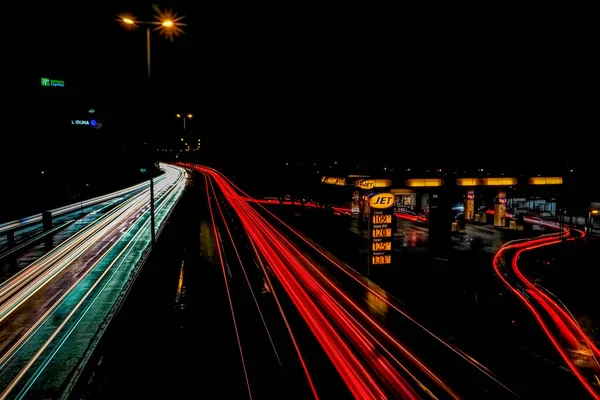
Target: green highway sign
{"type": "Point", "coordinates": [52, 82]}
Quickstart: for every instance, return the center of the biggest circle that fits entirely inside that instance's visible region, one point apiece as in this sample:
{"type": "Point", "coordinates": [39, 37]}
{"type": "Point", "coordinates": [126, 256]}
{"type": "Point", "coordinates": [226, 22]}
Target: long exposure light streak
{"type": "Point", "coordinates": [10, 225]}
{"type": "Point", "coordinates": [90, 270]}
{"type": "Point", "coordinates": [356, 376]}
{"type": "Point", "coordinates": [301, 358]}
{"type": "Point", "coordinates": [354, 325]}
{"type": "Point", "coordinates": [286, 322]}
{"type": "Point", "coordinates": [237, 195]}
{"type": "Point", "coordinates": [567, 326]}
{"type": "Point", "coordinates": [220, 252]}
{"type": "Point", "coordinates": [386, 298]}
{"type": "Point", "coordinates": [235, 249]}
{"type": "Point", "coordinates": [336, 320]}
{"type": "Point", "coordinates": [58, 330]}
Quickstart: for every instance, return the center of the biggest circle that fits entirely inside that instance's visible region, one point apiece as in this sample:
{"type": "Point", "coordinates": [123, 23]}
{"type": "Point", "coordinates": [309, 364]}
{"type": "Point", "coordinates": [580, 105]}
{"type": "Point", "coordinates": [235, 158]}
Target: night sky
{"type": "Point", "coordinates": [324, 82]}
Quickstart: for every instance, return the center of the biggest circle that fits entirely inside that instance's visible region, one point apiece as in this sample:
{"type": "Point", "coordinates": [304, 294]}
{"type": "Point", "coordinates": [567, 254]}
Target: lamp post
{"type": "Point", "coordinates": [168, 25]}
{"type": "Point", "coordinates": [183, 117]}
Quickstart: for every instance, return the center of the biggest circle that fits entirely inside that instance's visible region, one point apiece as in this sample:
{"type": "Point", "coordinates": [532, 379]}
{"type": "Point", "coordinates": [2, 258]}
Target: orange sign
{"type": "Point", "coordinates": [382, 200]}
{"type": "Point", "coordinates": [381, 260]}
{"type": "Point", "coordinates": [384, 232]}
{"type": "Point", "coordinates": [382, 246]}
{"type": "Point", "coordinates": [382, 219]}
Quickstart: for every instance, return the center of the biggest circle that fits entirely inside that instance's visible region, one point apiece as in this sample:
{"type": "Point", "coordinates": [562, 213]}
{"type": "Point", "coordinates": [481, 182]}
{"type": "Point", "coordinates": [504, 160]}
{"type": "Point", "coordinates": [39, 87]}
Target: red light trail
{"type": "Point", "coordinates": [534, 295]}
{"type": "Point", "coordinates": [370, 360]}
{"type": "Point", "coordinates": [352, 339]}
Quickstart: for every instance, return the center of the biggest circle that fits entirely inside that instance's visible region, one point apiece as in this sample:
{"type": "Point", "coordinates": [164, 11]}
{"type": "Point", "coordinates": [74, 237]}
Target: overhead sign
{"type": "Point", "coordinates": [52, 82]}
{"type": "Point", "coordinates": [330, 180]}
{"type": "Point", "coordinates": [372, 183]}
{"type": "Point", "coordinates": [381, 220]}
{"type": "Point", "coordinates": [382, 200]}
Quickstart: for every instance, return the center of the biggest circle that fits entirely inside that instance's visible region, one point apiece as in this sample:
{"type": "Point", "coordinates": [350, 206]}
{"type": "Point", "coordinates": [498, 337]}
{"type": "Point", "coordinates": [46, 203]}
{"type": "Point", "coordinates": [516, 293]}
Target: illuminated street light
{"type": "Point", "coordinates": [168, 25]}
{"type": "Point", "coordinates": [166, 22]}
{"type": "Point", "coordinates": [184, 117]}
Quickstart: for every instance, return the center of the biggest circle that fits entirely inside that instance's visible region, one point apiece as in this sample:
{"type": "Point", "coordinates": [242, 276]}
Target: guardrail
{"type": "Point", "coordinates": [23, 222]}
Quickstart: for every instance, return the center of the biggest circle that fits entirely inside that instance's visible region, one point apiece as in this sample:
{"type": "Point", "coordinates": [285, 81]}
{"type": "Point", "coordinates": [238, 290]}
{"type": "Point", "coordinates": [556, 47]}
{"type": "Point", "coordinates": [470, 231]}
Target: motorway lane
{"type": "Point", "coordinates": [159, 346]}
{"type": "Point", "coordinates": [464, 377]}
{"type": "Point", "coordinates": [423, 344]}
{"type": "Point", "coordinates": [253, 317]}
{"type": "Point", "coordinates": [73, 224]}
{"type": "Point", "coordinates": [459, 298]}
{"type": "Point", "coordinates": [56, 212]}
{"type": "Point", "coordinates": [374, 352]}
{"type": "Point", "coordinates": [194, 350]}
{"type": "Point", "coordinates": [29, 230]}
{"type": "Point", "coordinates": [44, 338]}
{"type": "Point", "coordinates": [34, 230]}
{"type": "Point", "coordinates": [271, 360]}
{"type": "Point", "coordinates": [579, 350]}
{"type": "Point", "coordinates": [70, 217]}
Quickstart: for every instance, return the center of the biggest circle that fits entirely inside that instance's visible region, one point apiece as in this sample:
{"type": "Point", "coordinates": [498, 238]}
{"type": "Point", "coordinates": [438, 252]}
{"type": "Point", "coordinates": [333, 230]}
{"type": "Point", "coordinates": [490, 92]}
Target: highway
{"type": "Point", "coordinates": [376, 357]}
{"type": "Point", "coordinates": [296, 321]}
{"type": "Point", "coordinates": [271, 363]}
{"type": "Point", "coordinates": [462, 299]}
{"type": "Point", "coordinates": [37, 218]}
{"type": "Point", "coordinates": [54, 309]}
{"type": "Point", "coordinates": [578, 351]}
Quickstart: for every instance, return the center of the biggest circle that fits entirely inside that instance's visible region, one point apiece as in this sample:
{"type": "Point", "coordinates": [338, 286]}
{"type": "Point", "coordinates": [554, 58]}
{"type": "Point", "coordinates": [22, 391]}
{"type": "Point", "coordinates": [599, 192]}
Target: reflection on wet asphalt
{"type": "Point", "coordinates": [415, 237]}
{"type": "Point", "coordinates": [81, 218]}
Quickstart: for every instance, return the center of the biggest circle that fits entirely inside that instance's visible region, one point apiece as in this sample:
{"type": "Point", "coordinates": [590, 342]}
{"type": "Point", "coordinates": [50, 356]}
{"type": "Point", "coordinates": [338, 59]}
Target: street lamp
{"type": "Point", "coordinates": [167, 24]}
{"type": "Point", "coordinates": [184, 117]}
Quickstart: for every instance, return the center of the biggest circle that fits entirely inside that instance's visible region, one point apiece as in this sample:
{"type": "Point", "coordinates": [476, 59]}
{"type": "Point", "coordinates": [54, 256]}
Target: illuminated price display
{"type": "Point", "coordinates": [382, 246]}
{"type": "Point", "coordinates": [385, 232]}
{"type": "Point", "coordinates": [382, 260]}
{"type": "Point", "coordinates": [382, 219]}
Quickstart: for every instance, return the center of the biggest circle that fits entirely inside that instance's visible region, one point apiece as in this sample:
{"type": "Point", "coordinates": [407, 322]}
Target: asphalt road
{"type": "Point", "coordinates": [457, 296]}
{"type": "Point", "coordinates": [188, 348]}
{"type": "Point", "coordinates": [51, 311]}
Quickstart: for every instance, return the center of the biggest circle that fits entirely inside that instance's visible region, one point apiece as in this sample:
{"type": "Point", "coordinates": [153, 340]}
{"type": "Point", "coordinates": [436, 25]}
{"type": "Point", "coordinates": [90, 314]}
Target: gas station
{"type": "Point", "coordinates": [437, 201]}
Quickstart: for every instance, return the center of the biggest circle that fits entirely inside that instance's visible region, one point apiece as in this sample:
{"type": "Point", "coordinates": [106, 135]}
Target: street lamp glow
{"type": "Point", "coordinates": [128, 21]}
{"type": "Point", "coordinates": [178, 115]}
{"type": "Point", "coordinates": [189, 116]}
{"type": "Point", "coordinates": [167, 23]}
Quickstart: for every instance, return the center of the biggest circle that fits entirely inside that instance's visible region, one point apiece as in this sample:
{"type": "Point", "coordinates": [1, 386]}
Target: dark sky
{"type": "Point", "coordinates": [332, 80]}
